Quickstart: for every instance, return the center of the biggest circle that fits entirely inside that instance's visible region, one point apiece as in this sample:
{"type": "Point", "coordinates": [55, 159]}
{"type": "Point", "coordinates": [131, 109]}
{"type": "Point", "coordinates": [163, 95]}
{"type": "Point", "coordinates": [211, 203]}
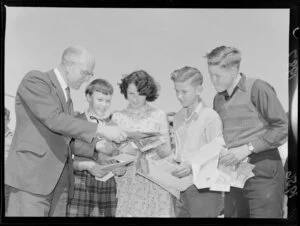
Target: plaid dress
{"type": "Point", "coordinates": [92, 198]}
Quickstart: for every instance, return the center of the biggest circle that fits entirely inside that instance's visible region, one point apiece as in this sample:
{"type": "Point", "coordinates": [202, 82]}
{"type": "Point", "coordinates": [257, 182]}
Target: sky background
{"type": "Point", "coordinates": [155, 40]}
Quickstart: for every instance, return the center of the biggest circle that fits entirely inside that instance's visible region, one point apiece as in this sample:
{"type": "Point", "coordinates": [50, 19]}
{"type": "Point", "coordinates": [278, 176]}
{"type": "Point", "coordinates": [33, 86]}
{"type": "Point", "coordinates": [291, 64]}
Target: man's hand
{"type": "Point", "coordinates": [183, 170]}
{"type": "Point", "coordinates": [105, 147]}
{"type": "Point", "coordinates": [104, 159]}
{"type": "Point", "coordinates": [234, 156]}
{"type": "Point", "coordinates": [113, 133]}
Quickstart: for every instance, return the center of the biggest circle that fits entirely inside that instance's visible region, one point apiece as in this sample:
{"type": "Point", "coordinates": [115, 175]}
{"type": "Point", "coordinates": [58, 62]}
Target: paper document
{"type": "Point", "coordinates": [124, 158]}
{"type": "Point", "coordinates": [221, 183]}
{"type": "Point", "coordinates": [175, 192]}
{"type": "Point", "coordinates": [142, 141]}
{"type": "Point", "coordinates": [241, 174]}
{"type": "Point", "coordinates": [139, 135]}
{"type": "Point", "coordinates": [205, 165]}
{"type": "Point", "coordinates": [111, 167]}
{"type": "Point", "coordinates": [238, 174]}
{"type": "Point", "coordinates": [106, 177]}
{"type": "Point", "coordinates": [148, 143]}
{"type": "Point", "coordinates": [209, 173]}
{"type": "Point", "coordinates": [160, 171]}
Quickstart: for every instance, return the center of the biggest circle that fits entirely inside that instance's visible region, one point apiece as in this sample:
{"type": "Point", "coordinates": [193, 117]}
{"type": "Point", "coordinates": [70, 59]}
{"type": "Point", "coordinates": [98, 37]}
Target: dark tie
{"type": "Point", "coordinates": [69, 161]}
{"type": "Point", "coordinates": [69, 101]}
{"type": "Point", "coordinates": [226, 95]}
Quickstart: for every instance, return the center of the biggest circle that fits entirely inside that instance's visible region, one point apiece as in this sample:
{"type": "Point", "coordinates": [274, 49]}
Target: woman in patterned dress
{"type": "Point", "coordinates": [137, 195]}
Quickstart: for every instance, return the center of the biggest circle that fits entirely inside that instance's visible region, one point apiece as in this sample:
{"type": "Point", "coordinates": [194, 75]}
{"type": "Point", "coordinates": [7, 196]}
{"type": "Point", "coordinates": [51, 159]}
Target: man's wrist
{"type": "Point", "coordinates": [251, 148]}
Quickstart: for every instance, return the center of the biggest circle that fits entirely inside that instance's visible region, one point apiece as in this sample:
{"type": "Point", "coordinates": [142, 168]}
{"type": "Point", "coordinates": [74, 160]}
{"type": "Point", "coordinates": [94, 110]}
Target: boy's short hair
{"type": "Point", "coordinates": [224, 56]}
{"type": "Point", "coordinates": [185, 73]}
{"type": "Point", "coordinates": [7, 113]}
{"type": "Point", "coordinates": [99, 85]}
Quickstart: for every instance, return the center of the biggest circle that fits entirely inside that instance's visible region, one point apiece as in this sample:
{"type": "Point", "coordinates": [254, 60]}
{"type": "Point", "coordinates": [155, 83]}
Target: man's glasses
{"type": "Point", "coordinates": [86, 73]}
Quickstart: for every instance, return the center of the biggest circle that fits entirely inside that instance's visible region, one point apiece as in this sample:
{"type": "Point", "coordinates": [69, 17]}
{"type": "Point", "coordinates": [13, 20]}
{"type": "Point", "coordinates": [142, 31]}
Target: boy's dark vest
{"type": "Point", "coordinates": [242, 123]}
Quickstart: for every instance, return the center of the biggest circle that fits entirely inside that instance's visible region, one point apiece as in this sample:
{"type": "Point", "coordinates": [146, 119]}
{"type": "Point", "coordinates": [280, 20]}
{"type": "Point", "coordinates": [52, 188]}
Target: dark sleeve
{"type": "Point", "coordinates": [264, 98]}
{"type": "Point", "coordinates": [83, 149]}
{"type": "Point", "coordinates": [37, 96]}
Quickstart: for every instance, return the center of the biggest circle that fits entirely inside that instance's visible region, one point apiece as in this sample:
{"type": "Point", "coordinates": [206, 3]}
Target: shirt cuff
{"type": "Point", "coordinates": [259, 145]}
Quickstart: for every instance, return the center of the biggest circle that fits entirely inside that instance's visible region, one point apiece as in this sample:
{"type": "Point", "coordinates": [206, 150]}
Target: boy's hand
{"type": "Point", "coordinates": [183, 170]}
{"type": "Point", "coordinates": [96, 171]}
{"type": "Point", "coordinates": [234, 156]}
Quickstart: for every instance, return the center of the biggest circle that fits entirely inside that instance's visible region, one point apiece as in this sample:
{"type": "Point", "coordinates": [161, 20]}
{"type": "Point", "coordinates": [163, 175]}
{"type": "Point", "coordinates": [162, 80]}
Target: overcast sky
{"type": "Point", "coordinates": [155, 40]}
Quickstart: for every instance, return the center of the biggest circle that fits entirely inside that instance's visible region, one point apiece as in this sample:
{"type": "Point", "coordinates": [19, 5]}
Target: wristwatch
{"type": "Point", "coordinates": [251, 148]}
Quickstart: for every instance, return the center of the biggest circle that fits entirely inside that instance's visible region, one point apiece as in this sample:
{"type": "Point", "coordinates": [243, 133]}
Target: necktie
{"type": "Point", "coordinates": [226, 95]}
{"type": "Point", "coordinates": [69, 161]}
{"type": "Point", "coordinates": [69, 101]}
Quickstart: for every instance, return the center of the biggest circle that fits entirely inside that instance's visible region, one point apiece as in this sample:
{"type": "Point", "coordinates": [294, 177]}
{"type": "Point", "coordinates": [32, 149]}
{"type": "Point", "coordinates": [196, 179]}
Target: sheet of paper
{"type": "Point", "coordinates": [222, 182]}
{"type": "Point", "coordinates": [175, 192]}
{"type": "Point", "coordinates": [139, 135]}
{"type": "Point", "coordinates": [148, 143]}
{"type": "Point", "coordinates": [161, 172]}
{"type": "Point", "coordinates": [205, 175]}
{"type": "Point", "coordinates": [111, 167]}
{"type": "Point", "coordinates": [205, 163]}
{"type": "Point", "coordinates": [239, 174]}
{"type": "Point", "coordinates": [124, 158]}
{"type": "Point", "coordinates": [106, 177]}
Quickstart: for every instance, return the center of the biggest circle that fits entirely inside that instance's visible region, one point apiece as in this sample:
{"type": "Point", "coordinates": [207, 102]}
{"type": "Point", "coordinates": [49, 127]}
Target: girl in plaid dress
{"type": "Point", "coordinates": [91, 196]}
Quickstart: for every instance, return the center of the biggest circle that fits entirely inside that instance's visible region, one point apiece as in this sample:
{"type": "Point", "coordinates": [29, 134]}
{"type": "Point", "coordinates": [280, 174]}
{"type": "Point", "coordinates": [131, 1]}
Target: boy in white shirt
{"type": "Point", "coordinates": [195, 125]}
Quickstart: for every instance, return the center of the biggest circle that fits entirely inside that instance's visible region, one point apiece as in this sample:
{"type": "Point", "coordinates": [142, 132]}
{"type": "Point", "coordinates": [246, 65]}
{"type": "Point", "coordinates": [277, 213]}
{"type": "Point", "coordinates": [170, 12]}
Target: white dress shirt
{"type": "Point", "coordinates": [62, 82]}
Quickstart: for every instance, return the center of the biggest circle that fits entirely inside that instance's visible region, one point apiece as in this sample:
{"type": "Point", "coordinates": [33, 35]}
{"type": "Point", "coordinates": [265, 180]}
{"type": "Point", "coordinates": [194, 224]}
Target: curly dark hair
{"type": "Point", "coordinates": [145, 84]}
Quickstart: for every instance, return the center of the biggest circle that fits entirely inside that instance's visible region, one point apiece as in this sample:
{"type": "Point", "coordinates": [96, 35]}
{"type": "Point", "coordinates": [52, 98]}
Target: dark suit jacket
{"type": "Point", "coordinates": [44, 128]}
{"type": "Point", "coordinates": [80, 148]}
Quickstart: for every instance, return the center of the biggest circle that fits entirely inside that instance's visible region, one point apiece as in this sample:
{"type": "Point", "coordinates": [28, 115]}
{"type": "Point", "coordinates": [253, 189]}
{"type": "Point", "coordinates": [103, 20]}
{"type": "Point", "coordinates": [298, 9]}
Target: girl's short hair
{"type": "Point", "coordinates": [99, 85]}
{"type": "Point", "coordinates": [145, 84]}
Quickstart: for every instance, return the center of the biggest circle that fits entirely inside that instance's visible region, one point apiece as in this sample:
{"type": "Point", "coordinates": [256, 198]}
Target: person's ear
{"type": "Point", "coordinates": [234, 71]}
{"type": "Point", "coordinates": [199, 89]}
{"type": "Point", "coordinates": [89, 98]}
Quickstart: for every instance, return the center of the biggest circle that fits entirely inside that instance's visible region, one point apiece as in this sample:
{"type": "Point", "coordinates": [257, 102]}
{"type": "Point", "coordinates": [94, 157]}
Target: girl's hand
{"type": "Point", "coordinates": [119, 171]}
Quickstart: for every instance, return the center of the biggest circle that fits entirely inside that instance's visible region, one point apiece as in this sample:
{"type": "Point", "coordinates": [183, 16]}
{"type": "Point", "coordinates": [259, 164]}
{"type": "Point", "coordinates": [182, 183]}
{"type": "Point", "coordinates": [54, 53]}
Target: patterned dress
{"type": "Point", "coordinates": [137, 195]}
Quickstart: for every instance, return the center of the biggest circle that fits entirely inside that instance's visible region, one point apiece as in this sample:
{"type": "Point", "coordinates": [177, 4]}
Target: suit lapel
{"type": "Point", "coordinates": [59, 91]}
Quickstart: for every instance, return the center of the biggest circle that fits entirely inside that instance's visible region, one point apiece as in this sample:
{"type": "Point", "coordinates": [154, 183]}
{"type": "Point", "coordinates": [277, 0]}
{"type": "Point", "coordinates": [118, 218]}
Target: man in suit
{"type": "Point", "coordinates": [39, 167]}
